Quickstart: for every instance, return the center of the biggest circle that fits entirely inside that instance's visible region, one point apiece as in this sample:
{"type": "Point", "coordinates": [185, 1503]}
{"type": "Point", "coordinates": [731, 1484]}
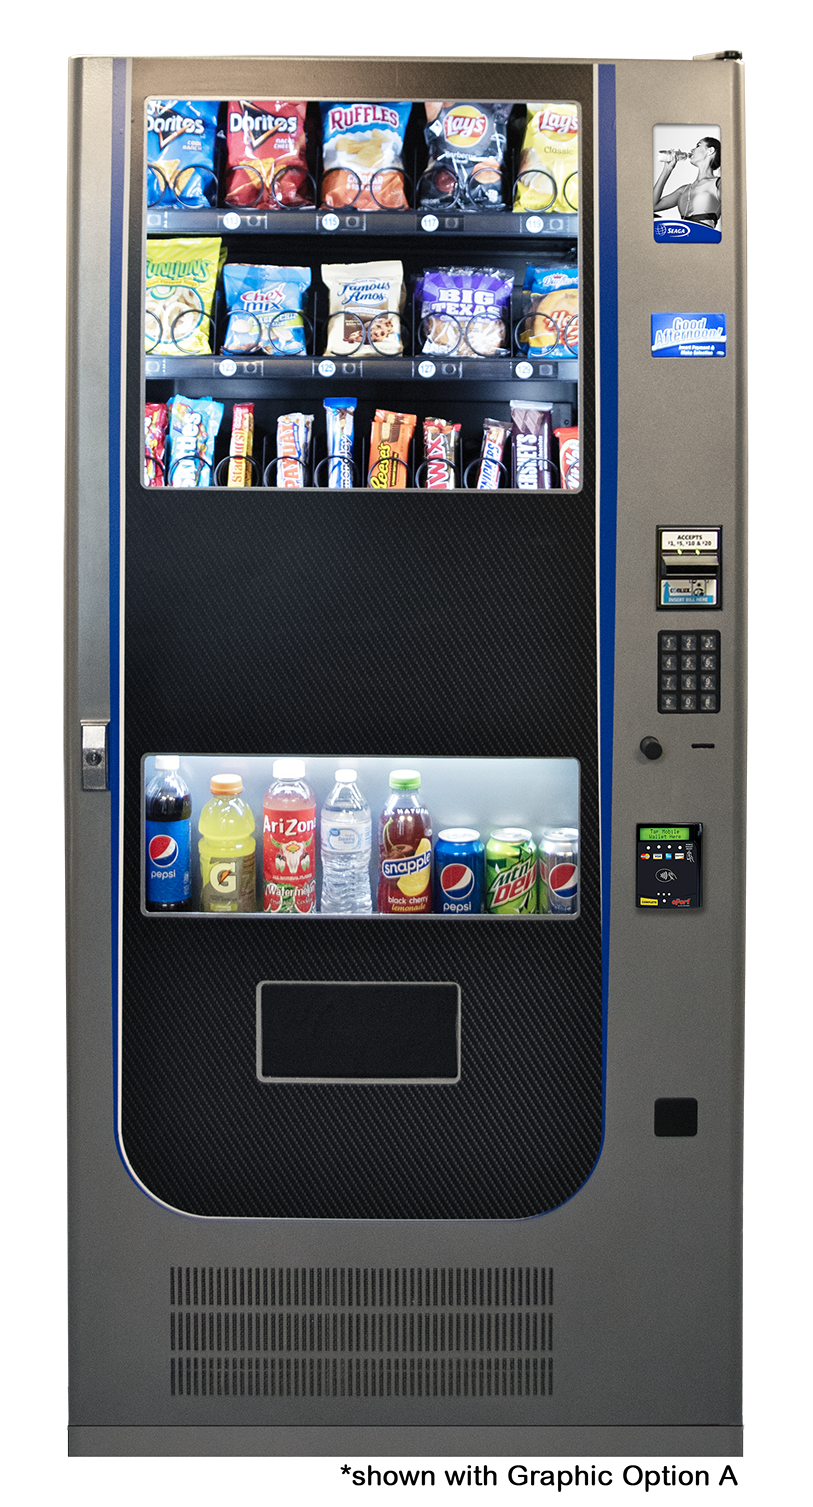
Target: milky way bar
{"type": "Point", "coordinates": [532, 426]}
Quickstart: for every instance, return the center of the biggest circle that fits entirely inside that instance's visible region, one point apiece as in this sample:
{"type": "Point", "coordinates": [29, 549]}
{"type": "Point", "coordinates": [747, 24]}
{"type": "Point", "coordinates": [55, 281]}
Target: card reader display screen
{"type": "Point", "coordinates": [668, 866]}
{"type": "Point", "coordinates": [663, 834]}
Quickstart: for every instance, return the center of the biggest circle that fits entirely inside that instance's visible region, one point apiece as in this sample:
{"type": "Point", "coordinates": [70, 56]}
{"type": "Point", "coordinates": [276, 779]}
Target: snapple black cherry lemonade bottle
{"type": "Point", "coordinates": [405, 849]}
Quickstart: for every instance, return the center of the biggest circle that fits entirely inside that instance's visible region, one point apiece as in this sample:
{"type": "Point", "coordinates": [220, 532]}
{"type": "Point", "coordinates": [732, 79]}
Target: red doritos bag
{"type": "Point", "coordinates": [267, 166]}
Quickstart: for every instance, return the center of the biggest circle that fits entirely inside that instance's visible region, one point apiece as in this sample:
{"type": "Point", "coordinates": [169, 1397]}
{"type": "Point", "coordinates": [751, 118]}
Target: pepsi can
{"type": "Point", "coordinates": [559, 871]}
{"type": "Point", "coordinates": [459, 855]}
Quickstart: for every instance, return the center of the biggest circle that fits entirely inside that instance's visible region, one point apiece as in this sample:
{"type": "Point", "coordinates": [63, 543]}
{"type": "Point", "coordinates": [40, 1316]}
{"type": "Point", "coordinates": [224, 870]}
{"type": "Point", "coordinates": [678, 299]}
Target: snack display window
{"type": "Point", "coordinates": [270, 271]}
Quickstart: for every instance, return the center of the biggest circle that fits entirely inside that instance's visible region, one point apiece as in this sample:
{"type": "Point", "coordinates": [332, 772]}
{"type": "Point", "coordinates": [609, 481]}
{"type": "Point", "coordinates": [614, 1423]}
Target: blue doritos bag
{"type": "Point", "coordinates": [181, 135]}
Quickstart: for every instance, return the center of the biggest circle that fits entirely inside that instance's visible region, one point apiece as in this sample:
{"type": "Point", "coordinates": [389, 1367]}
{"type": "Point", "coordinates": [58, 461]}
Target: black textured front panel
{"type": "Point", "coordinates": [323, 624]}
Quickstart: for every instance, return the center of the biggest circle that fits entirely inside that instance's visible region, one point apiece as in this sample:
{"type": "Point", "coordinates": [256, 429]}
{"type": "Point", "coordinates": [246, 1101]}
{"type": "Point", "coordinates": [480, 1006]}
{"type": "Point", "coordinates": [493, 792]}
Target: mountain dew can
{"type": "Point", "coordinates": [510, 872]}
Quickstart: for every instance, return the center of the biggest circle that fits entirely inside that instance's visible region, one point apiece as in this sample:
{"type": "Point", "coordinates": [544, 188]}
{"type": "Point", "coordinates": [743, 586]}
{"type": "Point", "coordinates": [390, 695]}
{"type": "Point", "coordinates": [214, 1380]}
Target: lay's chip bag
{"type": "Point", "coordinates": [181, 135]}
{"type": "Point", "coordinates": [548, 177]}
{"type": "Point", "coordinates": [181, 278]}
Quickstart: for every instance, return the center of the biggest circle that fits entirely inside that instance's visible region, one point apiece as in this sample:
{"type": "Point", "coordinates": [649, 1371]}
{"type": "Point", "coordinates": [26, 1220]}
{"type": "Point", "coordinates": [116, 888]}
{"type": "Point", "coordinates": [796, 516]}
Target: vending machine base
{"type": "Point", "coordinates": [523, 1444]}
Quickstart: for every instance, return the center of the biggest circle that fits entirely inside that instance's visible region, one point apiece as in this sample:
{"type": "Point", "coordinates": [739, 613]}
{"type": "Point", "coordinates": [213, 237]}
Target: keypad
{"type": "Point", "coordinates": [689, 672]}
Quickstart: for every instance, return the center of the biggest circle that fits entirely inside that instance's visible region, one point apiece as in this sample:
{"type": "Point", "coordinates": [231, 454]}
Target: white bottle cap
{"type": "Point", "coordinates": [288, 769]}
{"type": "Point", "coordinates": [167, 761]}
{"type": "Point", "coordinates": [346, 776]}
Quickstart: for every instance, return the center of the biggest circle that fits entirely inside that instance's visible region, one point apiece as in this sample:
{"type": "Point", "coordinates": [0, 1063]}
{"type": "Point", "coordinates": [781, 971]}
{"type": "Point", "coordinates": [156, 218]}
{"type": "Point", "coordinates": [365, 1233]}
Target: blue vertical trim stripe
{"type": "Point", "coordinates": [119, 121]}
{"type": "Point", "coordinates": [608, 499]}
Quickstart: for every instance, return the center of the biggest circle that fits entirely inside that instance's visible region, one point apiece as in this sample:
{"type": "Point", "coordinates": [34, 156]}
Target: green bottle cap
{"type": "Point", "coordinates": [405, 779]}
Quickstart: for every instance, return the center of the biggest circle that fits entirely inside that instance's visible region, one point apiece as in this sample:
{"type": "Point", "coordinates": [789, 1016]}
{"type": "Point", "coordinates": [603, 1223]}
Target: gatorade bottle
{"type": "Point", "coordinates": [289, 834]}
{"type": "Point", "coordinates": [168, 838]}
{"type": "Point", "coordinates": [405, 849]}
{"type": "Point", "coordinates": [226, 848]}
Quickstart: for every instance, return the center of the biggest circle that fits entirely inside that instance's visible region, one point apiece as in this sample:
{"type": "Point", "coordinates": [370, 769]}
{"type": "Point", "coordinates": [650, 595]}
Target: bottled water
{"type": "Point", "coordinates": [346, 832]}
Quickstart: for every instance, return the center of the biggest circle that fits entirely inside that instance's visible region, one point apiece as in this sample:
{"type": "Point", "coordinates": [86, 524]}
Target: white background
{"type": "Point", "coordinates": [779, 993]}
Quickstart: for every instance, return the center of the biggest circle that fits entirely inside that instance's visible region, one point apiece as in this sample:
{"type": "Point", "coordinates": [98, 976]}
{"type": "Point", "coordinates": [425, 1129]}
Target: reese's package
{"type": "Point", "coordinates": [265, 308]}
{"type": "Point", "coordinates": [550, 307]}
{"type": "Point", "coordinates": [366, 303]}
{"type": "Point", "coordinates": [362, 156]}
{"type": "Point", "coordinates": [548, 177]}
{"type": "Point", "coordinates": [390, 439]}
{"type": "Point", "coordinates": [181, 135]}
{"type": "Point", "coordinates": [466, 151]}
{"type": "Point", "coordinates": [266, 149]}
{"type": "Point", "coordinates": [181, 279]}
{"type": "Point", "coordinates": [465, 311]}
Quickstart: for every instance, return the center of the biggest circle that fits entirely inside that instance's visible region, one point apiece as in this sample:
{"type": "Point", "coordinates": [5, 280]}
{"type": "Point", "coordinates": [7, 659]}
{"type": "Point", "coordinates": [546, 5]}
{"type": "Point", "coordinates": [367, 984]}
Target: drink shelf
{"type": "Point", "coordinates": [330, 369]}
{"type": "Point", "coordinates": [393, 225]}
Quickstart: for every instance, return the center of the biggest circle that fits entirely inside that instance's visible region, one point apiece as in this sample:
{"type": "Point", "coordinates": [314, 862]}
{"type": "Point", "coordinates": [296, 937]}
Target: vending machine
{"type": "Point", "coordinates": [405, 683]}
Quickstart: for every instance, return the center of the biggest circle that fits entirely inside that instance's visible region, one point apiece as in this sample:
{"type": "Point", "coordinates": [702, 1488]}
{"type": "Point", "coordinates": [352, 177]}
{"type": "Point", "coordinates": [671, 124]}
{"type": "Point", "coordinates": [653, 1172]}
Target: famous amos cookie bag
{"type": "Point", "coordinates": [366, 304]}
{"type": "Point", "coordinates": [466, 152]}
{"type": "Point", "coordinates": [362, 156]}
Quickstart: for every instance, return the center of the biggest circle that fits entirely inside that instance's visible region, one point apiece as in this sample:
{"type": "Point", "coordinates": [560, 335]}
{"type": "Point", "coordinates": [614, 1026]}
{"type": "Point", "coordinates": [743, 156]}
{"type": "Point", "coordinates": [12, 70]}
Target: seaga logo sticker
{"type": "Point", "coordinates": [688, 334]}
{"type": "Point", "coordinates": [684, 230]}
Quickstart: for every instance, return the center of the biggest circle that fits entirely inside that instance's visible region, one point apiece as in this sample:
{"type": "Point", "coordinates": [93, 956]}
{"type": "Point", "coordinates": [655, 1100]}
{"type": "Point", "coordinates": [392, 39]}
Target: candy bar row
{"type": "Point", "coordinates": [523, 450]}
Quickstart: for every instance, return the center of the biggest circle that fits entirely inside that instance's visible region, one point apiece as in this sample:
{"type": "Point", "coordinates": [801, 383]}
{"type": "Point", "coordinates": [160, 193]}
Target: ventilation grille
{"type": "Point", "coordinates": [266, 1331]}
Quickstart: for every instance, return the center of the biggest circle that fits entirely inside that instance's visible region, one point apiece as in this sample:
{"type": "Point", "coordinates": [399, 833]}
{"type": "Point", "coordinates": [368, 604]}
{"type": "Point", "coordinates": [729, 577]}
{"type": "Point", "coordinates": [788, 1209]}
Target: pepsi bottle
{"type": "Point", "coordinates": [168, 838]}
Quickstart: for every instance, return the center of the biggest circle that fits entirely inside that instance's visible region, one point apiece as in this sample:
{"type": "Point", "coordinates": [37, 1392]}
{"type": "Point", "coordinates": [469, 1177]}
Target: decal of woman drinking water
{"type": "Point", "coordinates": [687, 192]}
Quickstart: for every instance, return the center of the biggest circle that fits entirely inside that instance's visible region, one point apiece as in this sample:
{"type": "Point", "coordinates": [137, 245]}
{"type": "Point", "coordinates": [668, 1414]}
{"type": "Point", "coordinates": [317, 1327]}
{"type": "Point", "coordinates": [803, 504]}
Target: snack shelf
{"type": "Point", "coordinates": [377, 368]}
{"type": "Point", "coordinates": [326, 223]}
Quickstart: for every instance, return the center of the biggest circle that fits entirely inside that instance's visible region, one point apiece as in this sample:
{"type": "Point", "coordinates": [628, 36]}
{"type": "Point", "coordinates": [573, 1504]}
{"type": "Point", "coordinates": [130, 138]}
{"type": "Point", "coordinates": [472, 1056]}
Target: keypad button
{"type": "Point", "coordinates": [688, 671]}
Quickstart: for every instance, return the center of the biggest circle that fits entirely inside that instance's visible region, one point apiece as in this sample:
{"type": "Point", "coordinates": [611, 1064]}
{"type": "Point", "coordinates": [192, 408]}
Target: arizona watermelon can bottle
{"type": "Point", "coordinates": [289, 841]}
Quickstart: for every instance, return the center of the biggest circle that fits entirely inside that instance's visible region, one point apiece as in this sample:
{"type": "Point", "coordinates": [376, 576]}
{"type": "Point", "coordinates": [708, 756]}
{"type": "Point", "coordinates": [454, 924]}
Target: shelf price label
{"type": "Point", "coordinates": [330, 221]}
{"type": "Point", "coordinates": [326, 368]}
{"type": "Point", "coordinates": [534, 224]}
{"type": "Point", "coordinates": [427, 369]}
{"type": "Point", "coordinates": [429, 222]}
{"type": "Point", "coordinates": [231, 221]}
{"type": "Point", "coordinates": [523, 369]}
{"type": "Point", "coordinates": [227, 368]}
